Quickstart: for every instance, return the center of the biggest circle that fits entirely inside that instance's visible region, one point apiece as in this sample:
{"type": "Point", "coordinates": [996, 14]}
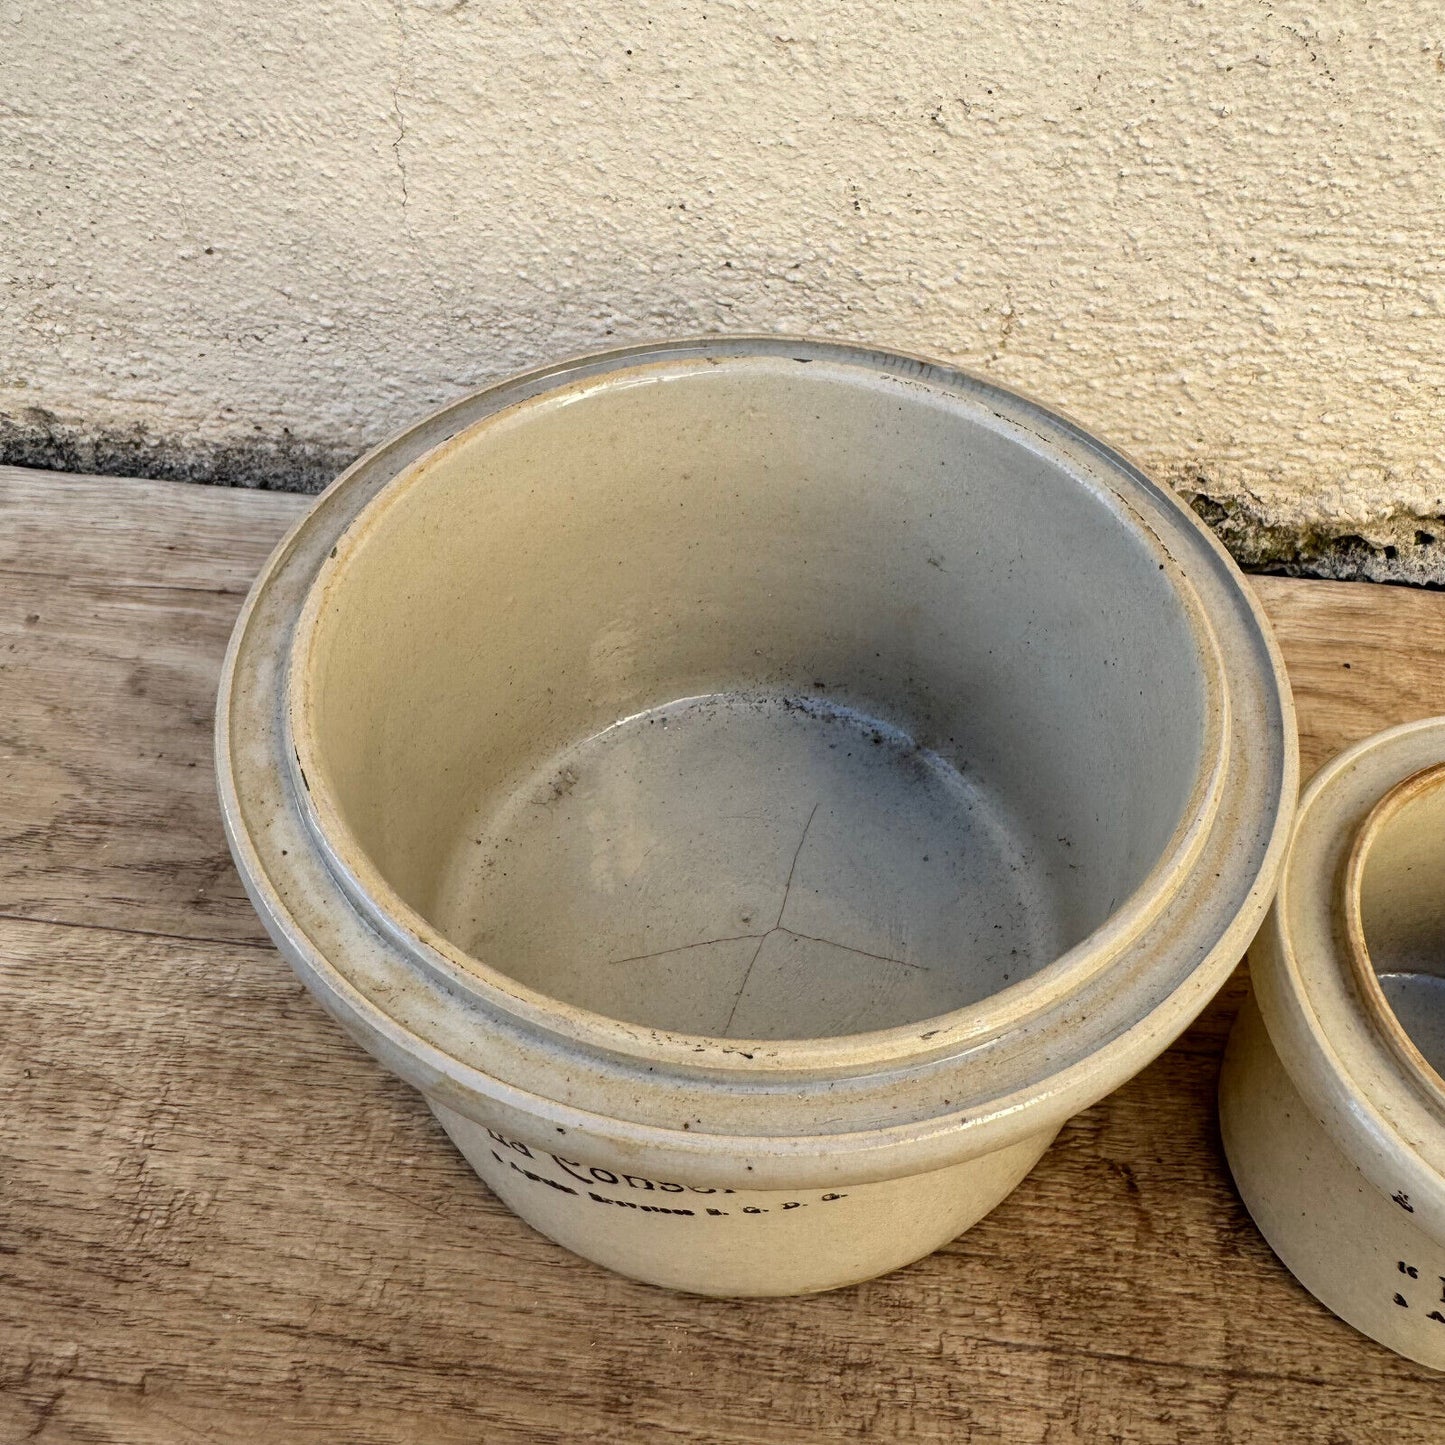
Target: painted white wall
{"type": "Point", "coordinates": [1213, 230]}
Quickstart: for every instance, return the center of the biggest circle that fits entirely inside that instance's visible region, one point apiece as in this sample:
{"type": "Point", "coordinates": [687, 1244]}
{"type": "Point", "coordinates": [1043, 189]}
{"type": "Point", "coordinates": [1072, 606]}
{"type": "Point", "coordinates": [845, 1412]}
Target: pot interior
{"type": "Point", "coordinates": [757, 698]}
{"type": "Point", "coordinates": [1400, 878]}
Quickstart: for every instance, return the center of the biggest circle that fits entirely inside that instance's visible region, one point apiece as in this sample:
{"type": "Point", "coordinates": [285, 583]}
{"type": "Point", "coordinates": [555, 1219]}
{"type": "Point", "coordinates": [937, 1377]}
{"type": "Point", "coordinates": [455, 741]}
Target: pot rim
{"type": "Point", "coordinates": [370, 891]}
{"type": "Point", "coordinates": [1307, 976]}
{"type": "Point", "coordinates": [947, 1099]}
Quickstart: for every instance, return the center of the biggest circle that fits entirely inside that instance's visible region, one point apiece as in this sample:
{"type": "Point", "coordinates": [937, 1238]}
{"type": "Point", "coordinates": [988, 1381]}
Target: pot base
{"type": "Point", "coordinates": [753, 866]}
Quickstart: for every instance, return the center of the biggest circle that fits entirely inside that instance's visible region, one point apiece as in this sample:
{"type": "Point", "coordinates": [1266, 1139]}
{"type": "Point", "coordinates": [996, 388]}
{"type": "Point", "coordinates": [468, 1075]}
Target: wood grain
{"type": "Point", "coordinates": [1360, 658]}
{"type": "Point", "coordinates": [187, 1256]}
{"type": "Point", "coordinates": [116, 605]}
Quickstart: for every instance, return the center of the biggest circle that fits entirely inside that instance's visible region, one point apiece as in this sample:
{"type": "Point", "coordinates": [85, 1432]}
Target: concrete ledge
{"type": "Point", "coordinates": [1398, 544]}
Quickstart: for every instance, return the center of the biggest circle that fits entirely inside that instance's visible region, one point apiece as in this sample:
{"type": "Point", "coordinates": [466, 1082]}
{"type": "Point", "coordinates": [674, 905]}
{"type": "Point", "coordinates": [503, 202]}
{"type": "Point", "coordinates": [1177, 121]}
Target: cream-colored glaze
{"type": "Point", "coordinates": [695, 762]}
{"type": "Point", "coordinates": [1331, 1105]}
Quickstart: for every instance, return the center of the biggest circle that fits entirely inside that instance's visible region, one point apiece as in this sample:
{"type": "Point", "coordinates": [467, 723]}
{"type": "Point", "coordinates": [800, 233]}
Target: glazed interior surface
{"type": "Point", "coordinates": [755, 699]}
{"type": "Point", "coordinates": [1402, 914]}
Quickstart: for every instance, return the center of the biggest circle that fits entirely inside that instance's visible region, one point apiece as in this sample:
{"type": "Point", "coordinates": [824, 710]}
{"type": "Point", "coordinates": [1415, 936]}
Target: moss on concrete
{"type": "Point", "coordinates": [274, 461]}
{"type": "Point", "coordinates": [1402, 545]}
{"type": "Point", "coordinates": [1399, 545]}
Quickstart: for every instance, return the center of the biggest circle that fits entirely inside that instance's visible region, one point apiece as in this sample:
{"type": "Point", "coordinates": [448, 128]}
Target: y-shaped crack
{"type": "Point", "coordinates": [766, 934]}
{"type": "Point", "coordinates": [683, 947]}
{"type": "Point", "coordinates": [777, 922]}
{"type": "Point", "coordinates": [748, 937]}
{"type": "Point", "coordinates": [793, 868]}
{"type": "Point", "coordinates": [742, 987]}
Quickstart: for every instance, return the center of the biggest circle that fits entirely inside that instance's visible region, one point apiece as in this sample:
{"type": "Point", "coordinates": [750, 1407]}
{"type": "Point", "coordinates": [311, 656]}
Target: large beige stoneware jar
{"type": "Point", "coordinates": [756, 790]}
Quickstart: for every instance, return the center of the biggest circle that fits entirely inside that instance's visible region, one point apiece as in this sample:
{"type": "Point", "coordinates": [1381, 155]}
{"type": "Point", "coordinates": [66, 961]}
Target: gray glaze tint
{"type": "Point", "coordinates": [753, 867]}
{"type": "Point", "coordinates": [1418, 1001]}
{"type": "Point", "coordinates": [759, 526]}
{"type": "Point", "coordinates": [1402, 913]}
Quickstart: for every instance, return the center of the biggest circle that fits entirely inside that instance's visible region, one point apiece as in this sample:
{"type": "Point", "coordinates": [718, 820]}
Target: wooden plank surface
{"type": "Point", "coordinates": [118, 601]}
{"type": "Point", "coordinates": [187, 1256]}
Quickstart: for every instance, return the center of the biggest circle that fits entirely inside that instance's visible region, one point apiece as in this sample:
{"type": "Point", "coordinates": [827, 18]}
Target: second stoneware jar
{"type": "Point", "coordinates": [1332, 1102]}
{"type": "Point", "coordinates": [757, 790]}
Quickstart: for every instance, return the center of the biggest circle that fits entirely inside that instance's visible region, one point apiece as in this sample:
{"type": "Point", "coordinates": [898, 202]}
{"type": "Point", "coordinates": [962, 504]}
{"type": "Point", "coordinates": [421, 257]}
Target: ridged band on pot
{"type": "Point", "coordinates": [993, 1079]}
{"type": "Point", "coordinates": [1333, 1120]}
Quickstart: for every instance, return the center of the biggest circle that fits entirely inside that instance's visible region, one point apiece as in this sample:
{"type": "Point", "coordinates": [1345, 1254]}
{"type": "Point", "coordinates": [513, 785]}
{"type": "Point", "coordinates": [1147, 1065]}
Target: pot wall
{"type": "Point", "coordinates": [734, 1241]}
{"type": "Point", "coordinates": [1356, 1248]}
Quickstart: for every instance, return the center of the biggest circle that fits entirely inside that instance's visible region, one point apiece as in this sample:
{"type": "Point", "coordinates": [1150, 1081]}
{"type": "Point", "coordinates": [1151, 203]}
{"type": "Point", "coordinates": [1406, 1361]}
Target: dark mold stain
{"type": "Point", "coordinates": [279, 461]}
{"type": "Point", "coordinates": [1415, 558]}
{"type": "Point", "coordinates": [272, 462]}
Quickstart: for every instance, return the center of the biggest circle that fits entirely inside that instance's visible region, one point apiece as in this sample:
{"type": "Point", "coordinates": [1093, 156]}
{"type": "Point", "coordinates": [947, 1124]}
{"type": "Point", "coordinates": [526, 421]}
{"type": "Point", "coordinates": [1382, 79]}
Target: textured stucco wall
{"type": "Point", "coordinates": [241, 242]}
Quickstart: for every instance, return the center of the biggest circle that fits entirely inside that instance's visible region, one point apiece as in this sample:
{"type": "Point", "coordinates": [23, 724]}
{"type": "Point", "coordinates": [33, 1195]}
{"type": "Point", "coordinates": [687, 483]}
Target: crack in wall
{"type": "Point", "coordinates": [404, 74]}
{"type": "Point", "coordinates": [400, 115]}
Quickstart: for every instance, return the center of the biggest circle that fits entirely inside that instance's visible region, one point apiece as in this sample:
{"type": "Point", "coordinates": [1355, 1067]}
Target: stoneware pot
{"type": "Point", "coordinates": [1331, 1101]}
{"type": "Point", "coordinates": [757, 790]}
